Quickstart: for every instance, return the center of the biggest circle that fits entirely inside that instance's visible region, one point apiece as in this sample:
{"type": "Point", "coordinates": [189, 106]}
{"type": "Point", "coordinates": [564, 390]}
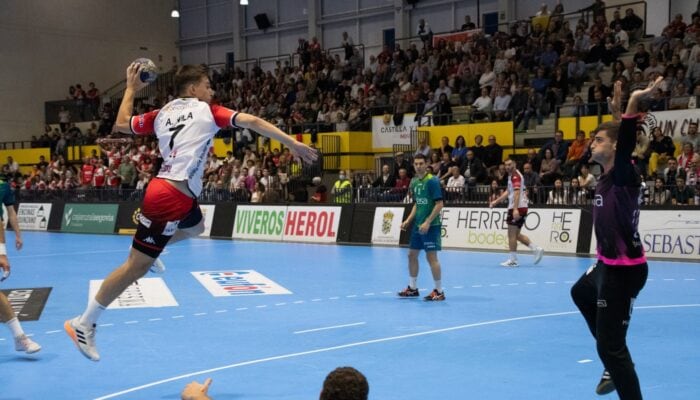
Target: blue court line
{"type": "Point", "coordinates": [364, 343]}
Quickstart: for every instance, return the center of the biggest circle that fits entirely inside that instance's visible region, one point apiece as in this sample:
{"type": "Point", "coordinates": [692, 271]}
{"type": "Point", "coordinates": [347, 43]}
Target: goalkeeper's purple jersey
{"type": "Point", "coordinates": [616, 205]}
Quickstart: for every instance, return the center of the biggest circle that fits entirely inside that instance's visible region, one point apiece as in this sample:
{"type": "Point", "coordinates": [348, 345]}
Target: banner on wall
{"type": "Point", "coordinates": [386, 228]}
{"type": "Point", "coordinates": [455, 40]}
{"type": "Point", "coordinates": [34, 216]}
{"type": "Point", "coordinates": [312, 224]}
{"type": "Point", "coordinates": [673, 123]}
{"type": "Point", "coordinates": [294, 223]}
{"type": "Point", "coordinates": [671, 234]}
{"type": "Point", "coordinates": [486, 228]}
{"type": "Point", "coordinates": [208, 214]}
{"type": "Point", "coordinates": [89, 218]}
{"type": "Point", "coordinates": [388, 130]}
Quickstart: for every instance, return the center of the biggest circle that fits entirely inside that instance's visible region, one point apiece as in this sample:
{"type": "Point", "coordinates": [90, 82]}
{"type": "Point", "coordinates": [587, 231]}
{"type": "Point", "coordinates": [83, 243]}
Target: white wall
{"type": "Point", "coordinates": [46, 46]}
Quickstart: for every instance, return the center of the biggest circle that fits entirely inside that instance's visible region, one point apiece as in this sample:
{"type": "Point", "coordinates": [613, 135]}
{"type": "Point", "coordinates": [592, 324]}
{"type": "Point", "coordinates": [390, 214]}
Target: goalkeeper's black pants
{"type": "Point", "coordinates": [605, 296]}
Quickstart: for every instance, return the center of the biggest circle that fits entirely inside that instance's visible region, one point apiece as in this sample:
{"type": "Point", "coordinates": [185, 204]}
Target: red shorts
{"type": "Point", "coordinates": [164, 210]}
{"type": "Point", "coordinates": [520, 222]}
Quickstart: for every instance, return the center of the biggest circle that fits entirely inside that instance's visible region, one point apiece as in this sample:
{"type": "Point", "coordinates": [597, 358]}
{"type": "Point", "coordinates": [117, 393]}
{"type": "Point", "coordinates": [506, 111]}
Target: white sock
{"type": "Point", "coordinates": [412, 281]}
{"type": "Point", "coordinates": [513, 256]}
{"type": "Point", "coordinates": [92, 313]}
{"type": "Point", "coordinates": [15, 327]}
{"type": "Point", "coordinates": [438, 285]}
{"type": "Point", "coordinates": [532, 246]}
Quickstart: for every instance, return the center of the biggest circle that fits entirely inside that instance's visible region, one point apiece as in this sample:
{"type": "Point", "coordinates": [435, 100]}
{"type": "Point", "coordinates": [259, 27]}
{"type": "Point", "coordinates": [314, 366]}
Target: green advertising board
{"type": "Point", "coordinates": [89, 218]}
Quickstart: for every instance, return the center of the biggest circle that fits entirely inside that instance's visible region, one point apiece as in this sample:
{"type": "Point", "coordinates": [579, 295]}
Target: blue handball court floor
{"type": "Point", "coordinates": [270, 320]}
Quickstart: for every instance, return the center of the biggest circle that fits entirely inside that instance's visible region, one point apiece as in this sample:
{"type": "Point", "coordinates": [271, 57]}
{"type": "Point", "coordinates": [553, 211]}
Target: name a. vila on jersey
{"type": "Point", "coordinates": [180, 118]}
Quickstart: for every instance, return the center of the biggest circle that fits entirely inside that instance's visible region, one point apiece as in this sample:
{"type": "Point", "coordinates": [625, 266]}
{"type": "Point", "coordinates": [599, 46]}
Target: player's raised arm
{"type": "Point", "coordinates": [133, 85]}
{"type": "Point", "coordinates": [306, 153]}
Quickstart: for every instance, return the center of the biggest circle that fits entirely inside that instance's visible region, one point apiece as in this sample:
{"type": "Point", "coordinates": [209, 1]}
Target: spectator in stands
{"type": "Point", "coordinates": [575, 153]}
{"type": "Point", "coordinates": [455, 184]}
{"type": "Point", "coordinates": [401, 162]}
{"type": "Point", "coordinates": [692, 173]}
{"type": "Point", "coordinates": [534, 108]}
{"type": "Point", "coordinates": [473, 169]}
{"type": "Point", "coordinates": [577, 73]}
{"type": "Point", "coordinates": [12, 166]}
{"type": "Point", "coordinates": [64, 119]}
{"type": "Point", "coordinates": [556, 195]}
{"type": "Point", "coordinates": [531, 180]}
{"type": "Point", "coordinates": [93, 100]}
{"type": "Point", "coordinates": [342, 189]}
{"type": "Point", "coordinates": [482, 106]}
{"type": "Point", "coordinates": [686, 156]}
{"type": "Point", "coordinates": [258, 193]}
{"type": "Point", "coordinates": [617, 20]}
{"type": "Point", "coordinates": [661, 149]}
{"type": "Point", "coordinates": [660, 196]}
{"type": "Point", "coordinates": [386, 179]}
{"type": "Point", "coordinates": [501, 105]}
{"type": "Point", "coordinates": [423, 147]}
{"type": "Point", "coordinates": [657, 101]}
{"type": "Point", "coordinates": [549, 168]}
{"type": "Point", "coordinates": [445, 146]}
{"type": "Point", "coordinates": [653, 68]}
{"type": "Point", "coordinates": [468, 24]}
{"type": "Point", "coordinates": [579, 108]}
{"type": "Point", "coordinates": [681, 193]}
{"type": "Point", "coordinates": [559, 147]}
{"type": "Point", "coordinates": [459, 151]}
{"type": "Point", "coordinates": [632, 24]}
{"type": "Point", "coordinates": [494, 192]}
{"type": "Point", "coordinates": [679, 97]}
{"type": "Point", "coordinates": [425, 33]}
{"type": "Point", "coordinates": [671, 172]}
{"type": "Point", "coordinates": [493, 153]}
{"type": "Point", "coordinates": [692, 136]}
{"type": "Point", "coordinates": [443, 111]}
{"type": "Point", "coordinates": [127, 174]}
{"type": "Point", "coordinates": [576, 195]}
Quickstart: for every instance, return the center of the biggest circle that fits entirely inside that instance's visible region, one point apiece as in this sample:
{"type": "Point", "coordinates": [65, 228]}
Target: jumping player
{"type": "Point", "coordinates": [427, 194]}
{"type": "Point", "coordinates": [185, 129]}
{"type": "Point", "coordinates": [517, 211]}
{"type": "Point", "coordinates": [606, 293]}
{"type": "Point", "coordinates": [7, 315]}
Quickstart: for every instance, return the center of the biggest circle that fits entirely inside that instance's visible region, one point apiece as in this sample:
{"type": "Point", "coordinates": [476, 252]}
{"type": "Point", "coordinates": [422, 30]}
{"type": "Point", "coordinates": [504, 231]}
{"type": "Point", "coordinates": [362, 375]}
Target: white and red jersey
{"type": "Point", "coordinates": [86, 173]}
{"type": "Point", "coordinates": [185, 129]}
{"type": "Point", "coordinates": [99, 177]}
{"type": "Point", "coordinates": [516, 182]}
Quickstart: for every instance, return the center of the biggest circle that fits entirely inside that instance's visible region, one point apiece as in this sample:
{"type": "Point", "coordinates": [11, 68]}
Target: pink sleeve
{"type": "Point", "coordinates": [224, 117]}
{"type": "Point", "coordinates": [143, 124]}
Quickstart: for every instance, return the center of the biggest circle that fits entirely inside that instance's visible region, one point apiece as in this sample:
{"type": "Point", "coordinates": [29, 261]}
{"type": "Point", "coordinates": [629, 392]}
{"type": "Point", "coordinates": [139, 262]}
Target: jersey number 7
{"type": "Point", "coordinates": [175, 130]}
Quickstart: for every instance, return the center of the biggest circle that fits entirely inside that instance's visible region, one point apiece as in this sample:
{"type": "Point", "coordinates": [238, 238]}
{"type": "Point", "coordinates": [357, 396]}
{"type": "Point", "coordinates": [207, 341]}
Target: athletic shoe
{"type": "Point", "coordinates": [539, 252]}
{"type": "Point", "coordinates": [435, 296]}
{"type": "Point", "coordinates": [27, 345]}
{"type": "Point", "coordinates": [606, 384]}
{"type": "Point", "coordinates": [408, 292]}
{"type": "Point", "coordinates": [158, 267]}
{"type": "Point", "coordinates": [509, 263]}
{"type": "Point", "coordinates": [83, 337]}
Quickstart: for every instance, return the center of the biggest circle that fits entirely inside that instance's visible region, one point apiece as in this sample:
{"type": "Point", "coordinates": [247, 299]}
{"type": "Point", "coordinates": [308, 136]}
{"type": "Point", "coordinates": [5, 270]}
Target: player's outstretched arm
{"type": "Point", "coordinates": [298, 149]}
{"type": "Point", "coordinates": [133, 85]}
{"type": "Point", "coordinates": [637, 95]}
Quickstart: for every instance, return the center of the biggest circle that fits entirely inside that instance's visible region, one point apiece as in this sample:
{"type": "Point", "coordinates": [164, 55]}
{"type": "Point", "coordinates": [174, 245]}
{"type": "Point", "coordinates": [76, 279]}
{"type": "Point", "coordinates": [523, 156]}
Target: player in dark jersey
{"type": "Point", "coordinates": [605, 294]}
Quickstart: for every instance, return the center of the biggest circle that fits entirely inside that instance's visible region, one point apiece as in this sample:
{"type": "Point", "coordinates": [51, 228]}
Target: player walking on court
{"type": "Point", "coordinates": [517, 211]}
{"type": "Point", "coordinates": [7, 315]}
{"type": "Point", "coordinates": [605, 294]}
{"type": "Point", "coordinates": [185, 129]}
{"type": "Point", "coordinates": [425, 235]}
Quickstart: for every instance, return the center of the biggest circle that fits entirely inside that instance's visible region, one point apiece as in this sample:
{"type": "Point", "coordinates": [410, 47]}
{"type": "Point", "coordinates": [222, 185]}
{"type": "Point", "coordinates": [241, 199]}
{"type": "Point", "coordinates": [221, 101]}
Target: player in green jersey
{"type": "Point", "coordinates": [425, 234]}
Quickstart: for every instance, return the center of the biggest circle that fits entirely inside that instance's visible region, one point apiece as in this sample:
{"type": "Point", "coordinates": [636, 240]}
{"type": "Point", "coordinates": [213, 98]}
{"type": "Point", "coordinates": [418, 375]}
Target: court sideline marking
{"type": "Point", "coordinates": [363, 343]}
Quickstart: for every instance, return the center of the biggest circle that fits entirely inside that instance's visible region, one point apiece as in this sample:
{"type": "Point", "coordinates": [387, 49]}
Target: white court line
{"type": "Point", "coordinates": [131, 322]}
{"type": "Point", "coordinates": [333, 298]}
{"type": "Point", "coordinates": [329, 327]}
{"type": "Point", "coordinates": [356, 344]}
{"type": "Point", "coordinates": [120, 250]}
{"type": "Point", "coordinates": [689, 279]}
{"type": "Point", "coordinates": [155, 319]}
{"type": "Point", "coordinates": [241, 308]}
{"type": "Point", "coordinates": [585, 361]}
{"type": "Point", "coordinates": [199, 314]}
{"type": "Point", "coordinates": [50, 332]}
{"type": "Point", "coordinates": [105, 325]}
{"type": "Point", "coordinates": [220, 311]}
{"type": "Point", "coordinates": [177, 316]}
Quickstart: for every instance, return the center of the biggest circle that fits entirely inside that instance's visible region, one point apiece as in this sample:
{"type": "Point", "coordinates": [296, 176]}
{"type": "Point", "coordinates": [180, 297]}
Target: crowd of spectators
{"type": "Point", "coordinates": [522, 74]}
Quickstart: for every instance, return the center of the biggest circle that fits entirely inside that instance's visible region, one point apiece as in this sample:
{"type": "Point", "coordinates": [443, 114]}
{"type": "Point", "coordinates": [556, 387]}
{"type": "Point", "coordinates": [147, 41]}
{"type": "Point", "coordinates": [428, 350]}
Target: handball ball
{"type": "Point", "coordinates": [148, 70]}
